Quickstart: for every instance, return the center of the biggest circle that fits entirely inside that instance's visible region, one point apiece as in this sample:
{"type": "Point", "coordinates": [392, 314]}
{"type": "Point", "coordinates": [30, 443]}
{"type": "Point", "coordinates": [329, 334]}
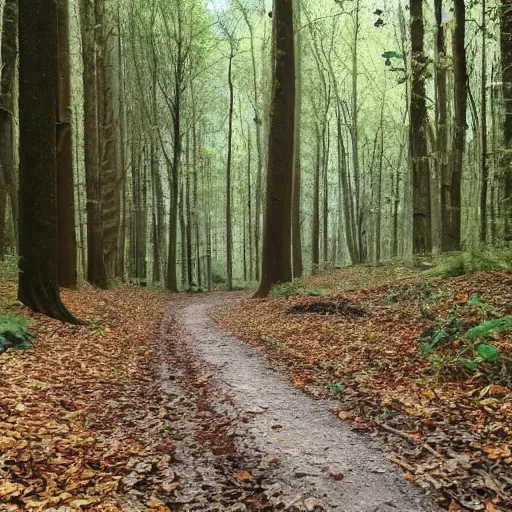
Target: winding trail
{"type": "Point", "coordinates": [310, 459]}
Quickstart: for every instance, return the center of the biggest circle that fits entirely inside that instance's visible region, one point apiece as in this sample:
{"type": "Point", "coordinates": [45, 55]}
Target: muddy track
{"type": "Point", "coordinates": [246, 439]}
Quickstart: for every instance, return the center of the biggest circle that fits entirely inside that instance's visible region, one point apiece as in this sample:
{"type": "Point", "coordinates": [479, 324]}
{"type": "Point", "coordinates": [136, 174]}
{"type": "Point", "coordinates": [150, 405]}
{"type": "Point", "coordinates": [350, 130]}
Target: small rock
{"type": "Point", "coordinates": [312, 504]}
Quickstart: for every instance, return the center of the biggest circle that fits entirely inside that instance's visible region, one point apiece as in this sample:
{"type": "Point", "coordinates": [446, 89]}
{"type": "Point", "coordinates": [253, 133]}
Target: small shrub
{"type": "Point", "coordinates": [15, 333]}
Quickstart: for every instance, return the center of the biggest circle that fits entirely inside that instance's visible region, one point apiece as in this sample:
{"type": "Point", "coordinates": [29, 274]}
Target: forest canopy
{"type": "Point", "coordinates": [401, 143]}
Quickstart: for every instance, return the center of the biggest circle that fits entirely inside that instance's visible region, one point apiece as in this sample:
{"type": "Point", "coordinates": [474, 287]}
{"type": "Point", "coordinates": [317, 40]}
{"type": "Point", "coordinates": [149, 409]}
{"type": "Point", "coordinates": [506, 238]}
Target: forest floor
{"type": "Point", "coordinates": [129, 412]}
{"type": "Point", "coordinates": [425, 361]}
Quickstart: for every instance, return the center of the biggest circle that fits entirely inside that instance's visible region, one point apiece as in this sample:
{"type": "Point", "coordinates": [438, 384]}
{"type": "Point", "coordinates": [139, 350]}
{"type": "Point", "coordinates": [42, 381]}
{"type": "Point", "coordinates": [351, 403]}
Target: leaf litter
{"type": "Point", "coordinates": [406, 367]}
{"type": "Point", "coordinates": [115, 415]}
{"type": "Point", "coordinates": [81, 416]}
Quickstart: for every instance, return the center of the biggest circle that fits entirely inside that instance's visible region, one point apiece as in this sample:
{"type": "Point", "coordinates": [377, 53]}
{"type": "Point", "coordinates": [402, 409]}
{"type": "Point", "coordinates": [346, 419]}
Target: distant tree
{"type": "Point", "coordinates": [276, 261]}
{"type": "Point", "coordinates": [38, 72]}
{"type": "Point", "coordinates": [422, 235]}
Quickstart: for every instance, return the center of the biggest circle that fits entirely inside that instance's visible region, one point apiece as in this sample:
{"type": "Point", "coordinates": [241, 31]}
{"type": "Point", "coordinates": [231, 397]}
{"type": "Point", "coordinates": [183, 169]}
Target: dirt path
{"type": "Point", "coordinates": [251, 441]}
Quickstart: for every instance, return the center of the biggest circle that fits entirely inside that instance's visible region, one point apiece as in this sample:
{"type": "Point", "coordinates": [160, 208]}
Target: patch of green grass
{"type": "Point", "coordinates": [457, 264]}
{"type": "Point", "coordinates": [9, 267]}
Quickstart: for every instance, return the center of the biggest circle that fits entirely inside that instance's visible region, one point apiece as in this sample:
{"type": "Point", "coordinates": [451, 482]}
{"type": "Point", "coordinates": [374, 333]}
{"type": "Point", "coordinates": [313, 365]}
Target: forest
{"type": "Point", "coordinates": [193, 190]}
{"type": "Point", "coordinates": [401, 138]}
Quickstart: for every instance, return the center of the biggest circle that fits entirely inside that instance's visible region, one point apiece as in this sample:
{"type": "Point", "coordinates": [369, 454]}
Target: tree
{"type": "Point", "coordinates": [276, 261]}
{"type": "Point", "coordinates": [96, 271]}
{"type": "Point", "coordinates": [65, 189]}
{"type": "Point", "coordinates": [296, 231]}
{"type": "Point", "coordinates": [422, 235]}
{"type": "Point", "coordinates": [451, 186]}
{"type": "Point", "coordinates": [38, 71]}
{"type": "Point", "coordinates": [443, 169]}
{"type": "Point", "coordinates": [506, 71]}
{"type": "Point", "coordinates": [9, 49]}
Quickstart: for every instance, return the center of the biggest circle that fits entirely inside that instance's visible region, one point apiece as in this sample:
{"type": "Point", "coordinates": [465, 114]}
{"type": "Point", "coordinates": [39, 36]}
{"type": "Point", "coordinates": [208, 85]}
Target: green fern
{"type": "Point", "coordinates": [490, 327]}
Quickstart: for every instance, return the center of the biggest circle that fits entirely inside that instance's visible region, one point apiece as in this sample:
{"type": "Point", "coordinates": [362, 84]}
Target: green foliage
{"type": "Point", "coordinates": [9, 267]}
{"type": "Point", "coordinates": [15, 333]}
{"type": "Point", "coordinates": [15, 324]}
{"type": "Point", "coordinates": [483, 309]}
{"type": "Point", "coordinates": [490, 327]}
{"type": "Point", "coordinates": [457, 264]}
{"type": "Point", "coordinates": [294, 288]}
{"type": "Point", "coordinates": [337, 387]}
{"type": "Point", "coordinates": [97, 327]}
{"type": "Point", "coordinates": [391, 55]}
{"type": "Point", "coordinates": [391, 298]}
{"type": "Point", "coordinates": [218, 277]}
{"type": "Point", "coordinates": [440, 335]}
{"type": "Point", "coordinates": [488, 352]}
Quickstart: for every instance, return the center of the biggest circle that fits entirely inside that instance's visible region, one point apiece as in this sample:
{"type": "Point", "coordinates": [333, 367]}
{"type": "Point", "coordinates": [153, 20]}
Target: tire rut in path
{"type": "Point", "coordinates": [313, 459]}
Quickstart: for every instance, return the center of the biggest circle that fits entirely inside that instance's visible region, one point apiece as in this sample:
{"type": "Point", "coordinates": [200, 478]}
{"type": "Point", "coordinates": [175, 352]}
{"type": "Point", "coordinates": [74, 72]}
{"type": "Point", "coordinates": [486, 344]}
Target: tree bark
{"type": "Point", "coordinates": [9, 50]}
{"type": "Point", "coordinates": [483, 157]}
{"type": "Point", "coordinates": [443, 169]}
{"type": "Point", "coordinates": [422, 233]}
{"type": "Point", "coordinates": [108, 91]}
{"type": "Point", "coordinates": [96, 271]}
{"type": "Point", "coordinates": [315, 228]}
{"type": "Point", "coordinates": [229, 242]}
{"type": "Point", "coordinates": [38, 75]}
{"type": "Point", "coordinates": [65, 182]}
{"type": "Point", "coordinates": [506, 71]}
{"type": "Point", "coordinates": [296, 224]}
{"type": "Point", "coordinates": [451, 187]}
{"type": "Point", "coordinates": [276, 261]}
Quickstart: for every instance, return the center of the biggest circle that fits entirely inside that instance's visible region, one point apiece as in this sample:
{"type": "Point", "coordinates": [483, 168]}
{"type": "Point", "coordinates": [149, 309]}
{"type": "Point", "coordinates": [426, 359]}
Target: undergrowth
{"type": "Point", "coordinates": [456, 346]}
{"type": "Point", "coordinates": [15, 333]}
{"type": "Point", "coordinates": [457, 264]}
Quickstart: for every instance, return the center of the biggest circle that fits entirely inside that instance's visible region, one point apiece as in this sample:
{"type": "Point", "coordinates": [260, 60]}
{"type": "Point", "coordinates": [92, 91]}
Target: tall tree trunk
{"type": "Point", "coordinates": [441, 114]}
{"type": "Point", "coordinates": [229, 247]}
{"type": "Point", "coordinates": [188, 207]}
{"type": "Point", "coordinates": [108, 92]}
{"type": "Point", "coordinates": [359, 209]}
{"type": "Point", "coordinates": [121, 148]}
{"type": "Point", "coordinates": [325, 186]}
{"type": "Point", "coordinates": [9, 51]}
{"type": "Point", "coordinates": [38, 75]}
{"type": "Point", "coordinates": [422, 231]}
{"type": "Point", "coordinates": [276, 261]}
{"type": "Point", "coordinates": [96, 271]}
{"type": "Point", "coordinates": [315, 229]}
{"type": "Point", "coordinates": [484, 165]}
{"type": "Point", "coordinates": [506, 70]}
{"type": "Point", "coordinates": [65, 188]}
{"type": "Point", "coordinates": [296, 224]}
{"type": "Point", "coordinates": [451, 187]}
